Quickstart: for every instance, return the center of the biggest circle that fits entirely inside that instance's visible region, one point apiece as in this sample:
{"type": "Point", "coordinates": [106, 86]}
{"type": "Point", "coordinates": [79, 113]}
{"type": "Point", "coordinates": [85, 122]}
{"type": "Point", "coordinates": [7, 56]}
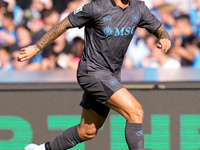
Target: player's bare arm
{"type": "Point", "coordinates": [51, 35]}
{"type": "Point", "coordinates": [164, 39]}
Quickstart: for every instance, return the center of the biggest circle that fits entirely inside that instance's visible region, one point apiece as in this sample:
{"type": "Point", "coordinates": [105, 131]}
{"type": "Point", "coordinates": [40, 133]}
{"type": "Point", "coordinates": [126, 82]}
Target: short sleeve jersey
{"type": "Point", "coordinates": [109, 30]}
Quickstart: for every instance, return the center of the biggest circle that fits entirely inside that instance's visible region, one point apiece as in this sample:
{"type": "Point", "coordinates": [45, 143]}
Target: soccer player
{"type": "Point", "coordinates": [109, 28]}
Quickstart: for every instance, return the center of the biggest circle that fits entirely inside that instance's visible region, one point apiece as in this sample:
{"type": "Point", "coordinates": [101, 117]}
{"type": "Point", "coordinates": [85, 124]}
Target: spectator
{"type": "Point", "coordinates": [50, 17]}
{"type": "Point", "coordinates": [3, 8]}
{"type": "Point", "coordinates": [155, 5]}
{"type": "Point", "coordinates": [192, 44]}
{"type": "Point", "coordinates": [16, 64]}
{"type": "Point", "coordinates": [137, 50]}
{"type": "Point", "coordinates": [165, 12]}
{"type": "Point", "coordinates": [32, 15]}
{"type": "Point", "coordinates": [24, 4]}
{"type": "Point", "coordinates": [5, 63]}
{"type": "Point", "coordinates": [77, 50]}
{"type": "Point", "coordinates": [40, 17]}
{"type": "Point", "coordinates": [157, 58]}
{"type": "Point", "coordinates": [182, 28]}
{"type": "Point", "coordinates": [36, 7]}
{"type": "Point", "coordinates": [180, 31]}
{"type": "Point", "coordinates": [47, 4]}
{"type": "Point", "coordinates": [25, 39]}
{"type": "Point", "coordinates": [182, 6]}
{"type": "Point", "coordinates": [195, 18]}
{"type": "Point", "coordinates": [58, 55]}
{"type": "Point", "coordinates": [72, 5]}
{"type": "Point", "coordinates": [60, 5]}
{"type": "Point", "coordinates": [7, 32]}
{"type": "Point", "coordinates": [16, 10]}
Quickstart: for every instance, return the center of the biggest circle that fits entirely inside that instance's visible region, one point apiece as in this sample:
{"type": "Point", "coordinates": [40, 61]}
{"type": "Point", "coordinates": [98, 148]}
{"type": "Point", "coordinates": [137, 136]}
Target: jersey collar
{"type": "Point", "coordinates": [113, 2]}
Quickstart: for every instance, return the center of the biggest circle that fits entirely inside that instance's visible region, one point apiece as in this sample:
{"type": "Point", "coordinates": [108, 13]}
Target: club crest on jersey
{"type": "Point", "coordinates": [135, 17]}
{"type": "Point", "coordinates": [77, 10]}
{"type": "Point", "coordinates": [107, 31]}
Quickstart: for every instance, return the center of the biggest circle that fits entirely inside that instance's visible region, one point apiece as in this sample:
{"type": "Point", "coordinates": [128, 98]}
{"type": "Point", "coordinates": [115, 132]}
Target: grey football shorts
{"type": "Point", "coordinates": [98, 87]}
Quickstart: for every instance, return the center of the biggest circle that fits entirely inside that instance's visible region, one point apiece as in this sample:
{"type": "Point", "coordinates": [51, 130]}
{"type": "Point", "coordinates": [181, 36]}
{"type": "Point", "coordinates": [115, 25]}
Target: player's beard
{"type": "Point", "coordinates": [125, 1]}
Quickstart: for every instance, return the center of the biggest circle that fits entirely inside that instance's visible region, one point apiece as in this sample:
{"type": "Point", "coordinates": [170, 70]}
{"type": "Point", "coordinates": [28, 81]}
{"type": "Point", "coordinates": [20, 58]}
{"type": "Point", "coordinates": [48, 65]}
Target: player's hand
{"type": "Point", "coordinates": [28, 52]}
{"type": "Point", "coordinates": [164, 44]}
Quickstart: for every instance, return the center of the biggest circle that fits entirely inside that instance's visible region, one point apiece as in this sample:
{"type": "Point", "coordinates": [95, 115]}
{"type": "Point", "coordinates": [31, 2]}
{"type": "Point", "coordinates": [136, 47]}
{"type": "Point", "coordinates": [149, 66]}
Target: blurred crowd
{"type": "Point", "coordinates": [181, 18]}
{"type": "Point", "coordinates": [23, 22]}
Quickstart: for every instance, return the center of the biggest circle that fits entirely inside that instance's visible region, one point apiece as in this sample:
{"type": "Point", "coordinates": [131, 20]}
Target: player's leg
{"type": "Point", "coordinates": [86, 130]}
{"type": "Point", "coordinates": [124, 103]}
{"type": "Point", "coordinates": [91, 122]}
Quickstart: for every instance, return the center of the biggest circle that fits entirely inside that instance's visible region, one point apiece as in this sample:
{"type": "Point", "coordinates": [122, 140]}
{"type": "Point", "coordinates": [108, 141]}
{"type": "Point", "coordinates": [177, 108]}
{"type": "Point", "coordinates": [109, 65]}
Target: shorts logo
{"type": "Point", "coordinates": [107, 31]}
{"type": "Point", "coordinates": [113, 82]}
{"type": "Point", "coordinates": [135, 18]}
{"type": "Point", "coordinates": [77, 10]}
{"type": "Point", "coordinates": [139, 133]}
{"type": "Point", "coordinates": [74, 143]}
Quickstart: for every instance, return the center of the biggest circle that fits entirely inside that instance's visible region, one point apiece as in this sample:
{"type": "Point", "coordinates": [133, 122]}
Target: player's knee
{"type": "Point", "coordinates": [88, 133]}
{"type": "Point", "coordinates": [135, 115]}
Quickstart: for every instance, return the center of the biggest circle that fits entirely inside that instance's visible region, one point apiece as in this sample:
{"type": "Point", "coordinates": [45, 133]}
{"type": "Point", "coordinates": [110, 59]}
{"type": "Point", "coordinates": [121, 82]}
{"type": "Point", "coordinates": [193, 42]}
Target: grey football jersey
{"type": "Point", "coordinates": [109, 30]}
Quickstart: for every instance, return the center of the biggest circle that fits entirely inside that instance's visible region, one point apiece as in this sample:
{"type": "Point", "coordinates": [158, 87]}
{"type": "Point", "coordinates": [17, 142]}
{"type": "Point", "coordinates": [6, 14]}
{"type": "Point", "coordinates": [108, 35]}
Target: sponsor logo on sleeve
{"type": "Point", "coordinates": [78, 10]}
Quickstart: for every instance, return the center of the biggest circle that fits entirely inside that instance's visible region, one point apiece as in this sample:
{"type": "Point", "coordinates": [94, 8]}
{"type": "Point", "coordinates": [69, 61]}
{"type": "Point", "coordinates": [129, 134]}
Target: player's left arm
{"type": "Point", "coordinates": [164, 42]}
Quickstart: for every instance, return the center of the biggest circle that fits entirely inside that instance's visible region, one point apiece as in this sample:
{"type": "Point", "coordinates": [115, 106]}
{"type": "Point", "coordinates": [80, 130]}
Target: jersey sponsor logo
{"type": "Point", "coordinates": [118, 32]}
{"type": "Point", "coordinates": [107, 31]}
{"type": "Point", "coordinates": [135, 17]}
{"type": "Point", "coordinates": [113, 82]}
{"type": "Point", "coordinates": [139, 133]}
{"type": "Point", "coordinates": [78, 10]}
{"type": "Point", "coordinates": [124, 31]}
{"type": "Point", "coordinates": [107, 19]}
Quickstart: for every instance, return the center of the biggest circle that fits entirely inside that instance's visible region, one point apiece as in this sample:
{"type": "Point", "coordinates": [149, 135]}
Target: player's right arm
{"type": "Point", "coordinates": [58, 29]}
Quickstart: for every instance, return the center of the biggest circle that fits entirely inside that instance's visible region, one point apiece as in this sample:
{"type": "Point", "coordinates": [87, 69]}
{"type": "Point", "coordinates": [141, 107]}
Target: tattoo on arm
{"type": "Point", "coordinates": [53, 33]}
{"type": "Point", "coordinates": [38, 46]}
{"type": "Point", "coordinates": [161, 33]}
